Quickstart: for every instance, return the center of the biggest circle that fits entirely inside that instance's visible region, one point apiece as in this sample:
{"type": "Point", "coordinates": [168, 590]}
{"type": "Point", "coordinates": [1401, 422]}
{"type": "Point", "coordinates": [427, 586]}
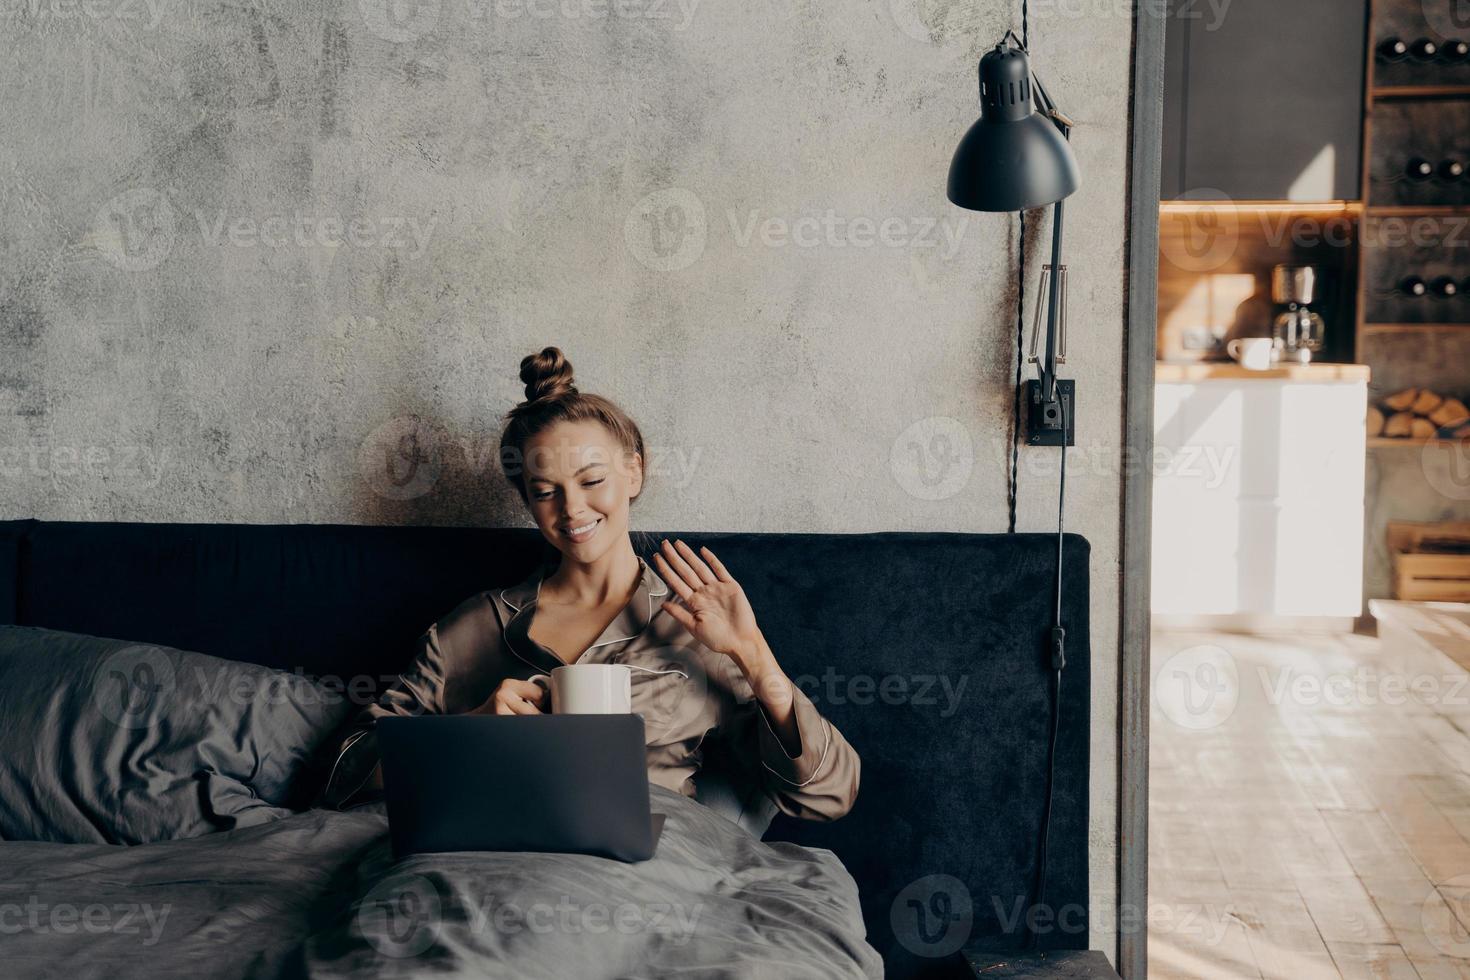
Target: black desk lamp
{"type": "Point", "coordinates": [1014, 158]}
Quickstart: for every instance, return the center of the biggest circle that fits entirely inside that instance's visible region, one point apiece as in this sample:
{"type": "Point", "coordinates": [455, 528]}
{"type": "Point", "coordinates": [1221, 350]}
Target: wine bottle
{"type": "Point", "coordinates": [1392, 49]}
{"type": "Point", "coordinates": [1413, 286]}
{"type": "Point", "coordinates": [1423, 49]}
{"type": "Point", "coordinates": [1454, 51]}
{"type": "Point", "coordinates": [1419, 169]}
{"type": "Point", "coordinates": [1452, 170]}
{"type": "Point", "coordinates": [1444, 286]}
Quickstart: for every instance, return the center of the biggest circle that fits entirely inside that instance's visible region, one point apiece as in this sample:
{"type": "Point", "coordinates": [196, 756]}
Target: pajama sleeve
{"type": "Point", "coordinates": [418, 690]}
{"type": "Point", "coordinates": [818, 782]}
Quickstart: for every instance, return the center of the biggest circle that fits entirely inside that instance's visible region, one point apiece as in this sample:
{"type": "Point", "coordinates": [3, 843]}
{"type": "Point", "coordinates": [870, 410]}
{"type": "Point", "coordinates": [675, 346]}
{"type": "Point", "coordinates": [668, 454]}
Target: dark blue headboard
{"type": "Point", "coordinates": [926, 649]}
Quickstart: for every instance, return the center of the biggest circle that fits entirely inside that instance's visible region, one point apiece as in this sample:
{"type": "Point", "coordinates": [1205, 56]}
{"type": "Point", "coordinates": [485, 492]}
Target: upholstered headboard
{"type": "Point", "coordinates": [926, 649]}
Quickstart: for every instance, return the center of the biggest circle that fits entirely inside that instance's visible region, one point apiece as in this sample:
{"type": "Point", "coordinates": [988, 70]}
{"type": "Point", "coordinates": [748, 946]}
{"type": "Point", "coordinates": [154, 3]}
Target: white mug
{"type": "Point", "coordinates": [1253, 353]}
{"type": "Point", "coordinates": [591, 689]}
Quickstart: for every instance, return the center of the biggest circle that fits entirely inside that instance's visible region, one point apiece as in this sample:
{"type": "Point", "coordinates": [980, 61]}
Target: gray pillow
{"type": "Point", "coordinates": [105, 741]}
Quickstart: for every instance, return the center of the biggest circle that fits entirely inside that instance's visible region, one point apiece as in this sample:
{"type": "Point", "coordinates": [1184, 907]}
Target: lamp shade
{"type": "Point", "coordinates": [1013, 158]}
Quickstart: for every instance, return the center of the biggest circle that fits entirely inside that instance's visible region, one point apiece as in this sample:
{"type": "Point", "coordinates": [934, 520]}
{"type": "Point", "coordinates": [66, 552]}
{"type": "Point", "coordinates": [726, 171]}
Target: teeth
{"type": "Point", "coordinates": [579, 530]}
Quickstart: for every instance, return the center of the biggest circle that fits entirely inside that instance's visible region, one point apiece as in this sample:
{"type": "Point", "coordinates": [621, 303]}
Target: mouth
{"type": "Point", "coordinates": [583, 532]}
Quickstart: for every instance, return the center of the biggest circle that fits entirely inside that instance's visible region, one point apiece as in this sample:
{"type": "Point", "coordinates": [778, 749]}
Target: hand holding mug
{"type": "Point", "coordinates": [515, 697]}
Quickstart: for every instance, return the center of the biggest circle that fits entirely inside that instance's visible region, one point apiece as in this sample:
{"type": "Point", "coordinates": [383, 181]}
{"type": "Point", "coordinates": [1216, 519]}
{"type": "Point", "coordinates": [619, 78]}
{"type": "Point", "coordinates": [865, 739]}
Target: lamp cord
{"type": "Point", "coordinates": [1013, 475]}
{"type": "Point", "coordinates": [1058, 660]}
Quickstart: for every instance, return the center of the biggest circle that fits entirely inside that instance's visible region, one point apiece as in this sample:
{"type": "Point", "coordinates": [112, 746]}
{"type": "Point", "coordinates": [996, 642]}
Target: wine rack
{"type": "Point", "coordinates": [1420, 152]}
{"type": "Point", "coordinates": [1414, 272]}
{"type": "Point", "coordinates": [1414, 269]}
{"type": "Point", "coordinates": [1414, 25]}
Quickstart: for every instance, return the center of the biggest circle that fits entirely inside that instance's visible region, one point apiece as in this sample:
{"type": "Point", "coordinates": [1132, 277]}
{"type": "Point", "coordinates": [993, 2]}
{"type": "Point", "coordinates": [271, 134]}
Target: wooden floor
{"type": "Point", "coordinates": [1310, 809]}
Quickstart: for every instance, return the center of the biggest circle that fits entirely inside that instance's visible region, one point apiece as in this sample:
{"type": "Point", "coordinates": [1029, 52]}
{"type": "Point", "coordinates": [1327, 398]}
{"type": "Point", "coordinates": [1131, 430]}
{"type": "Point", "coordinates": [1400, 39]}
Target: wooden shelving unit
{"type": "Point", "coordinates": [1390, 17]}
{"type": "Point", "coordinates": [1385, 93]}
{"type": "Point", "coordinates": [1386, 16]}
{"type": "Point", "coordinates": [1406, 442]}
{"type": "Point", "coordinates": [1416, 210]}
{"type": "Point", "coordinates": [1410, 327]}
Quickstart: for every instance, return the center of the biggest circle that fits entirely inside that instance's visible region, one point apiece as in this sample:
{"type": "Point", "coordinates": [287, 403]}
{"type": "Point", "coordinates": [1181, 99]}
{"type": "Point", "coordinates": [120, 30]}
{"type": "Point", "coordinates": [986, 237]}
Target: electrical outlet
{"type": "Point", "coordinates": [1044, 422]}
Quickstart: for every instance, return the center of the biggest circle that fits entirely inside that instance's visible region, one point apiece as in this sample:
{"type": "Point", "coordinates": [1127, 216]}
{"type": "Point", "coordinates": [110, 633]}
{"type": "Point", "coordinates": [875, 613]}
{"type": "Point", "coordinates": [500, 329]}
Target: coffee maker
{"type": "Point", "coordinates": [1297, 332]}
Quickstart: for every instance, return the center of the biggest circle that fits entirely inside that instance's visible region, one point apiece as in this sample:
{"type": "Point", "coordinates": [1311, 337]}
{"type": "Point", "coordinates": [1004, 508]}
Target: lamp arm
{"type": "Point", "coordinates": [1048, 366]}
{"type": "Point", "coordinates": [1049, 108]}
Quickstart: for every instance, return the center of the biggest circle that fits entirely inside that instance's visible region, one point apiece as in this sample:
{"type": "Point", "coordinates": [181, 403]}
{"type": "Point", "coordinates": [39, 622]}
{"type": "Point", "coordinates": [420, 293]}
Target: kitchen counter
{"type": "Point", "coordinates": [1258, 489]}
{"type": "Point", "coordinates": [1209, 370]}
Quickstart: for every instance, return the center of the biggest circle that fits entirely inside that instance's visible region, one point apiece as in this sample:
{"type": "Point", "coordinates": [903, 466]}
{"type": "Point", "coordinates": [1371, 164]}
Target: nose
{"type": "Point", "coordinates": [571, 507]}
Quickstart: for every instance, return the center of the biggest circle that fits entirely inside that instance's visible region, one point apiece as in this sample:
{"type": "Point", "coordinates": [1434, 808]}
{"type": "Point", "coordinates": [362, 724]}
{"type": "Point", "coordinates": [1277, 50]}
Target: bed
{"type": "Point", "coordinates": [925, 648]}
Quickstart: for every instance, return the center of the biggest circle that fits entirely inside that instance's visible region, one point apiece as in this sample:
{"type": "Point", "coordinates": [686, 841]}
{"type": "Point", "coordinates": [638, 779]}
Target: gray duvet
{"type": "Point", "coordinates": [317, 894]}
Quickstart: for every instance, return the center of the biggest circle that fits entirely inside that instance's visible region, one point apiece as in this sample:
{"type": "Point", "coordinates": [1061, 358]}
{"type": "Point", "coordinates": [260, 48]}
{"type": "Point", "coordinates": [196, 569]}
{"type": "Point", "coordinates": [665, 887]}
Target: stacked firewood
{"type": "Point", "coordinates": [1418, 413]}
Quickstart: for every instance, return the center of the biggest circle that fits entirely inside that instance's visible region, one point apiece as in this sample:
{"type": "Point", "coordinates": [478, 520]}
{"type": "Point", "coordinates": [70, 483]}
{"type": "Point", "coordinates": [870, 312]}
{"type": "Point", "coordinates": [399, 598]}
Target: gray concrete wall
{"type": "Point", "coordinates": [251, 248]}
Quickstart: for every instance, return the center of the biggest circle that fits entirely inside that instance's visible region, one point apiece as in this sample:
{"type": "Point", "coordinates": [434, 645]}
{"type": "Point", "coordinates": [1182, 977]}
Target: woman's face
{"type": "Point", "coordinates": [579, 483]}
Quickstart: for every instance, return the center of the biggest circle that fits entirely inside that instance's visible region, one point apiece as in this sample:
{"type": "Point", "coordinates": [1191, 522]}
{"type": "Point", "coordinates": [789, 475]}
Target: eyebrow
{"type": "Point", "coordinates": [542, 479]}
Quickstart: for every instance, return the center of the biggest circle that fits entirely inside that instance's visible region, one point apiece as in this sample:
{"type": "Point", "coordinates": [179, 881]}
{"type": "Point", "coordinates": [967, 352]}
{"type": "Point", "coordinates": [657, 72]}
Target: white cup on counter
{"type": "Point", "coordinates": [1251, 353]}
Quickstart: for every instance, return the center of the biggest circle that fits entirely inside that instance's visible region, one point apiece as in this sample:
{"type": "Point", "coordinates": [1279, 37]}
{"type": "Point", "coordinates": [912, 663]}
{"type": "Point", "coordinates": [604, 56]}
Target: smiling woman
{"type": "Point", "coordinates": [704, 675]}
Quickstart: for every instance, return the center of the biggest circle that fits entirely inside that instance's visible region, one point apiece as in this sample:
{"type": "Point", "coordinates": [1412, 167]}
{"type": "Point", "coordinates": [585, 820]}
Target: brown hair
{"type": "Point", "coordinates": [551, 397]}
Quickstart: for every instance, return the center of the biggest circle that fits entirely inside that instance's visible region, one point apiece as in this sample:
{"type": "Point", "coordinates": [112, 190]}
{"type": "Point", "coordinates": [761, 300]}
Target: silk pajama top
{"type": "Point", "coordinates": [692, 699]}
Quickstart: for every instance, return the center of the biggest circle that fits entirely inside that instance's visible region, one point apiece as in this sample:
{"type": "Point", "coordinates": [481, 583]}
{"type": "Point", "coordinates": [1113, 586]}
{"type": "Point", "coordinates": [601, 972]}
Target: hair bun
{"type": "Point", "coordinates": [547, 374]}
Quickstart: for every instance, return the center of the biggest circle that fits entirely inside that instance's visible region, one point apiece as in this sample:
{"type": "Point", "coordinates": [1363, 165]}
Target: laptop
{"type": "Point", "coordinates": [573, 784]}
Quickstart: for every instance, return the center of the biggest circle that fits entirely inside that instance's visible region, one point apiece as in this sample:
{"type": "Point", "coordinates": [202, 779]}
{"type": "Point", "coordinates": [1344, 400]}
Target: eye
{"type": "Point", "coordinates": [593, 483]}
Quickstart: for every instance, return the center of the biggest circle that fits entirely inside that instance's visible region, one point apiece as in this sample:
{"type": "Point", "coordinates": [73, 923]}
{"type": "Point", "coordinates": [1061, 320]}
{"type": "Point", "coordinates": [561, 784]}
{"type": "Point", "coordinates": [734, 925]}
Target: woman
{"type": "Point", "coordinates": [704, 677]}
